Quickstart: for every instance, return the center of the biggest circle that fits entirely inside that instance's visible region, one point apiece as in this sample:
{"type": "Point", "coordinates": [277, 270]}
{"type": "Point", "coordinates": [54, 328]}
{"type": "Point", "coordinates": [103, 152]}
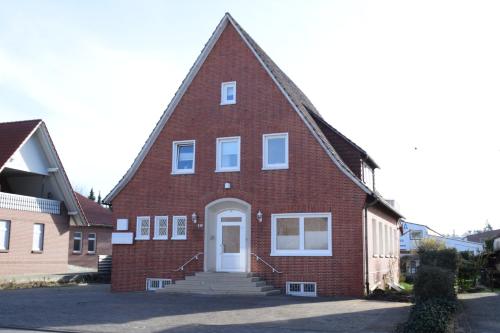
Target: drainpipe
{"type": "Point", "coordinates": [367, 273]}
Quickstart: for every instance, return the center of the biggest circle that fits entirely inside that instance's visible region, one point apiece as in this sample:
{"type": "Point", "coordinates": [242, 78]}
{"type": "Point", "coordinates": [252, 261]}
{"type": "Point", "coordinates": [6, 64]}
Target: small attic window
{"type": "Point", "coordinates": [228, 93]}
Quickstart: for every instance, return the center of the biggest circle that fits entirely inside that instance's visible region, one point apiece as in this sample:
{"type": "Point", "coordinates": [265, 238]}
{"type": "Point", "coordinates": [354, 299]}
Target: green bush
{"type": "Point", "coordinates": [432, 316]}
{"type": "Point", "coordinates": [434, 282]}
{"type": "Point", "coordinates": [469, 270]}
{"type": "Point", "coordinates": [443, 258]}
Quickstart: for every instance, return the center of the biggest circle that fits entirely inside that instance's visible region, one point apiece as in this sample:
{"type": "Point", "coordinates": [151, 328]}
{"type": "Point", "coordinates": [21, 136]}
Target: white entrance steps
{"type": "Point", "coordinates": [216, 283]}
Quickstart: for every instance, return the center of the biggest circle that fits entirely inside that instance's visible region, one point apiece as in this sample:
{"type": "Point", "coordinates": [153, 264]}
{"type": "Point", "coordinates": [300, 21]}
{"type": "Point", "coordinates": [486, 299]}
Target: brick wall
{"type": "Point", "coordinates": [20, 259]}
{"type": "Point", "coordinates": [311, 184]}
{"type": "Point", "coordinates": [85, 261]}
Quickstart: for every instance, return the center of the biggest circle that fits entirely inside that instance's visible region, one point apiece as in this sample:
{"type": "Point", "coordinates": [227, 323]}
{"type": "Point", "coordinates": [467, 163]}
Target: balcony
{"type": "Point", "coordinates": [30, 204]}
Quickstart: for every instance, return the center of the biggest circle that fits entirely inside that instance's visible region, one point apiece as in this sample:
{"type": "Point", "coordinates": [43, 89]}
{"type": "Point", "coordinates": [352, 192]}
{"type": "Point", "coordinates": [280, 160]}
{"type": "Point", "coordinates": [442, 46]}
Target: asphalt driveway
{"type": "Point", "coordinates": [94, 309]}
{"type": "Point", "coordinates": [482, 311]}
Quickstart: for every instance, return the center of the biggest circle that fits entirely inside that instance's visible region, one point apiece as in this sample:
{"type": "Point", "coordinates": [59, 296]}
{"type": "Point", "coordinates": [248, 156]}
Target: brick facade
{"type": "Point", "coordinates": [19, 260]}
{"type": "Point", "coordinates": [311, 184]}
{"type": "Point", "coordinates": [84, 260]}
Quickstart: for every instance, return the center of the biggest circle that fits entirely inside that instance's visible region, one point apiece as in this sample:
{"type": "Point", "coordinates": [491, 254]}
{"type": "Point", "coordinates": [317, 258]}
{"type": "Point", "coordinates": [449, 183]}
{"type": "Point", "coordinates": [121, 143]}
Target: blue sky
{"type": "Point", "coordinates": [391, 75]}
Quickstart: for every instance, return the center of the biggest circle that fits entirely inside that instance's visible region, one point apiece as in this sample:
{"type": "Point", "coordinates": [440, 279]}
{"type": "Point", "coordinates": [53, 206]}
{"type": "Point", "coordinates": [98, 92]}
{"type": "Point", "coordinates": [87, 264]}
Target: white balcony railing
{"type": "Point", "coordinates": [30, 204]}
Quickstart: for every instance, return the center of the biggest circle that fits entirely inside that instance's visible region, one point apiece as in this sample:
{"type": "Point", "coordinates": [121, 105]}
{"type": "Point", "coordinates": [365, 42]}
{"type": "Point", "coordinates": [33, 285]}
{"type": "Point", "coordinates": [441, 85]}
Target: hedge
{"type": "Point", "coordinates": [434, 282]}
{"type": "Point", "coordinates": [432, 316]}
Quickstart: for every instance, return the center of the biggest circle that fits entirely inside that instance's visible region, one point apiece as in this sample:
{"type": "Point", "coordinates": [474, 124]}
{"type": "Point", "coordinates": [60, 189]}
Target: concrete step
{"type": "Point", "coordinates": [222, 278]}
{"type": "Point", "coordinates": [221, 283]}
{"type": "Point", "coordinates": [197, 282]}
{"type": "Point", "coordinates": [219, 288]}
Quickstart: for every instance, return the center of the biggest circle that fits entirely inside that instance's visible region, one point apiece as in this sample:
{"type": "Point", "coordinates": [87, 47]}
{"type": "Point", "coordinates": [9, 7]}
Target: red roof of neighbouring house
{"type": "Point", "coordinates": [484, 236]}
{"type": "Point", "coordinates": [12, 136]}
{"type": "Point", "coordinates": [96, 214]}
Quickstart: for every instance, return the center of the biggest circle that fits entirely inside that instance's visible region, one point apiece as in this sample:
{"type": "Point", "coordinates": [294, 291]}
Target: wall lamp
{"type": "Point", "coordinates": [259, 216]}
{"type": "Point", "coordinates": [194, 218]}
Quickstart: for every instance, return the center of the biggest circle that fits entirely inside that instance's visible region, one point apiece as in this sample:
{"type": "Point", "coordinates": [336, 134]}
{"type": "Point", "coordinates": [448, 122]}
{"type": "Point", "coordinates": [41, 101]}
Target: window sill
{"type": "Point", "coordinates": [36, 252]}
{"type": "Point", "coordinates": [176, 173]}
{"type": "Point", "coordinates": [325, 253]}
{"type": "Point", "coordinates": [227, 103]}
{"type": "Point", "coordinates": [77, 252]}
{"type": "Point", "coordinates": [270, 168]}
{"type": "Point", "coordinates": [141, 239]}
{"type": "Point", "coordinates": [227, 170]}
{"type": "Point", "coordinates": [178, 238]}
{"type": "Point", "coordinates": [158, 238]}
{"type": "Point", "coordinates": [4, 251]}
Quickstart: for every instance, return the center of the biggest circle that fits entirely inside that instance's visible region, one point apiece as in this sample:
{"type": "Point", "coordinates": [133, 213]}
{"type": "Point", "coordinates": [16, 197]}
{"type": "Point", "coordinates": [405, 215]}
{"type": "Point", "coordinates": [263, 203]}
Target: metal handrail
{"type": "Point", "coordinates": [195, 257]}
{"type": "Point", "coordinates": [265, 262]}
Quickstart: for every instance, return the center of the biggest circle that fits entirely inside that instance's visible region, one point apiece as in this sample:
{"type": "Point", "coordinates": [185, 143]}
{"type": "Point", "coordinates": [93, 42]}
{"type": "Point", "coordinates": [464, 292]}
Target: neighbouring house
{"type": "Point", "coordinates": [242, 174]}
{"type": "Point", "coordinates": [40, 214]}
{"type": "Point", "coordinates": [484, 236]}
{"type": "Point", "coordinates": [414, 233]}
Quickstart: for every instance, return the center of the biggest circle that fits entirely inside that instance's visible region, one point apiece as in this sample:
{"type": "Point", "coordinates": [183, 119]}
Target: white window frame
{"type": "Point", "coordinates": [375, 246]}
{"type": "Point", "coordinates": [94, 238]}
{"type": "Point", "coordinates": [175, 235]}
{"type": "Point", "coordinates": [175, 157]}
{"type": "Point", "coordinates": [302, 292]}
{"type": "Point", "coordinates": [265, 164]}
{"type": "Point", "coordinates": [218, 153]}
{"type": "Point", "coordinates": [157, 283]}
{"type": "Point", "coordinates": [157, 235]}
{"type": "Point", "coordinates": [78, 235]}
{"type": "Point", "coordinates": [138, 235]}
{"type": "Point", "coordinates": [223, 92]}
{"type": "Point", "coordinates": [302, 252]}
{"type": "Point", "coordinates": [38, 241]}
{"type": "Point", "coordinates": [5, 236]}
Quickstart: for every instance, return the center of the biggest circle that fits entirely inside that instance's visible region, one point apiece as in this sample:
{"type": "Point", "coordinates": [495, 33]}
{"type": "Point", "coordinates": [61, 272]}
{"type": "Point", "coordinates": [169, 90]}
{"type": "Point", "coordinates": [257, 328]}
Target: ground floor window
{"type": "Point", "coordinates": [91, 243]}
{"type": "Point", "coordinates": [77, 242]}
{"type": "Point", "coordinates": [301, 234]}
{"type": "Point", "coordinates": [38, 232]}
{"type": "Point", "coordinates": [4, 235]}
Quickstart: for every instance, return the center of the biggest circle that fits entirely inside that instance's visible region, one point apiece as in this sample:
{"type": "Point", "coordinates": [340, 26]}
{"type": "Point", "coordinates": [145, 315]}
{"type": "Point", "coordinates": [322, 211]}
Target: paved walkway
{"type": "Point", "coordinates": [95, 309]}
{"type": "Point", "coordinates": [482, 311]}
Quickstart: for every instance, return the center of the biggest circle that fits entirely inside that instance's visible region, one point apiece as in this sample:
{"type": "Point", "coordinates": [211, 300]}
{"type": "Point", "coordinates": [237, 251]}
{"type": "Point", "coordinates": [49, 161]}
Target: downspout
{"type": "Point", "coordinates": [367, 273]}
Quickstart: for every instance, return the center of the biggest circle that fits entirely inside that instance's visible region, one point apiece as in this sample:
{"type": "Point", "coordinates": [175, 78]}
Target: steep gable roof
{"type": "Point", "coordinates": [298, 100]}
{"type": "Point", "coordinates": [14, 135]}
{"type": "Point", "coordinates": [96, 214]}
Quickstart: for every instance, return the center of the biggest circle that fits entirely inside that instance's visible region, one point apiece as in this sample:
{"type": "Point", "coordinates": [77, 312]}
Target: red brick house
{"type": "Point", "coordinates": [40, 214]}
{"type": "Point", "coordinates": [242, 174]}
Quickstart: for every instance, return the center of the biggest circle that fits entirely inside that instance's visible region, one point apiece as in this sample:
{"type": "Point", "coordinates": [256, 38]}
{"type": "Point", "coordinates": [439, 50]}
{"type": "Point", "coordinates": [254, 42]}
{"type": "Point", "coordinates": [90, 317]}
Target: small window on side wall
{"type": "Point", "coordinates": [183, 157]}
{"type": "Point", "coordinates": [38, 235]}
{"type": "Point", "coordinates": [4, 235]}
{"type": "Point", "coordinates": [228, 93]}
{"type": "Point", "coordinates": [275, 151]}
{"type": "Point", "coordinates": [91, 243]}
{"type": "Point", "coordinates": [161, 227]}
{"type": "Point", "coordinates": [77, 242]}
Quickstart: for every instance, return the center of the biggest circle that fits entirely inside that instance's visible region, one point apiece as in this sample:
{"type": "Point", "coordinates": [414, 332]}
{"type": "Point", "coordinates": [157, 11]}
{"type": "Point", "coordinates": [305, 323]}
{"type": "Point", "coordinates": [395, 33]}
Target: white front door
{"type": "Point", "coordinates": [231, 242]}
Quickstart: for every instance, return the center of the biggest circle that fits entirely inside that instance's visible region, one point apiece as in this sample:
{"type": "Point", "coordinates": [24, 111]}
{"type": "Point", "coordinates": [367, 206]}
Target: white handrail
{"type": "Point", "coordinates": [195, 257]}
{"type": "Point", "coordinates": [265, 262]}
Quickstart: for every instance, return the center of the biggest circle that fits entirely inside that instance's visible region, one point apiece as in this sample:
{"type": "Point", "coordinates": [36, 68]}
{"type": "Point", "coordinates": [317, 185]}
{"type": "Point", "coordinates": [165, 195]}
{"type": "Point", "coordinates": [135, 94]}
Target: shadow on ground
{"type": "Point", "coordinates": [482, 311]}
{"type": "Point", "coordinates": [95, 309]}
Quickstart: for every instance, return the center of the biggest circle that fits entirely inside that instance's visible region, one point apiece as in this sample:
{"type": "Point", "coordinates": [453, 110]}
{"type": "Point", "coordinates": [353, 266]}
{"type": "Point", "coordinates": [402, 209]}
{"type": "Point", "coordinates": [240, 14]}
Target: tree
{"type": "Point", "coordinates": [99, 199]}
{"type": "Point", "coordinates": [488, 226]}
{"type": "Point", "coordinates": [91, 194]}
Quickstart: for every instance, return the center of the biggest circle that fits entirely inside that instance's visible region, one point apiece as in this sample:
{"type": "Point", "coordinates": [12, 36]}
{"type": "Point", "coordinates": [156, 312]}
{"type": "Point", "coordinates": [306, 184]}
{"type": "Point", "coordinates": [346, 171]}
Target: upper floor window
{"type": "Point", "coordinates": [77, 242]}
{"type": "Point", "coordinates": [228, 154]}
{"type": "Point", "coordinates": [275, 151]}
{"type": "Point", "coordinates": [228, 93]}
{"type": "Point", "coordinates": [91, 245]}
{"type": "Point", "coordinates": [4, 235]}
{"type": "Point", "coordinates": [416, 234]}
{"type": "Point", "coordinates": [183, 153]}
